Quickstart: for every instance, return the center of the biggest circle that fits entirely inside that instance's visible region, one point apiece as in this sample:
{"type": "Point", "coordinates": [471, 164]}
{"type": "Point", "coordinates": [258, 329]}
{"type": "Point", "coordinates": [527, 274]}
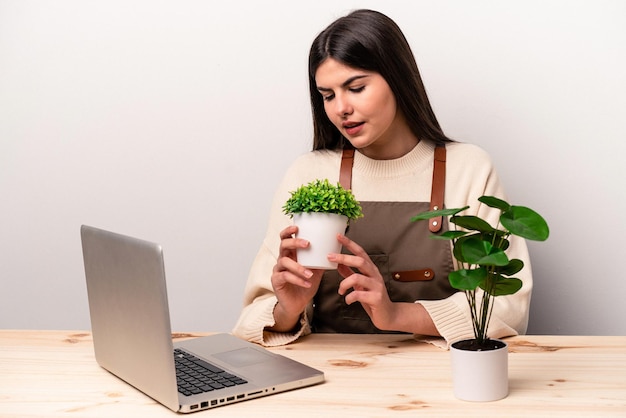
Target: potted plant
{"type": "Point", "coordinates": [321, 211]}
{"type": "Point", "coordinates": [485, 272]}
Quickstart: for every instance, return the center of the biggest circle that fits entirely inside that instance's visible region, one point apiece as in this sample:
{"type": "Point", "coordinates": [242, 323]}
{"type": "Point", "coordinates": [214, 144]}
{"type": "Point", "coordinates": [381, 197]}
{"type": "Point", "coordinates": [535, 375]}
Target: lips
{"type": "Point", "coordinates": [352, 128]}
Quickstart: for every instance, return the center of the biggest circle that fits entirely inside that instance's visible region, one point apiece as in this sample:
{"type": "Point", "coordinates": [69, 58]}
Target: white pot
{"type": "Point", "coordinates": [480, 376]}
{"type": "Point", "coordinates": [321, 230]}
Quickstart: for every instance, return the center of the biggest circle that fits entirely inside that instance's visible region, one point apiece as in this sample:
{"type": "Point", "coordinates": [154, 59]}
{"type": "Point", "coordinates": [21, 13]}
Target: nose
{"type": "Point", "coordinates": [343, 107]}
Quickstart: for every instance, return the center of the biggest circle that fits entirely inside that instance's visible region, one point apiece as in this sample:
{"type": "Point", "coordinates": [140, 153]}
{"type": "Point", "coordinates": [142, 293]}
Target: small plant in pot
{"type": "Point", "coordinates": [484, 273]}
{"type": "Point", "coordinates": [321, 211]}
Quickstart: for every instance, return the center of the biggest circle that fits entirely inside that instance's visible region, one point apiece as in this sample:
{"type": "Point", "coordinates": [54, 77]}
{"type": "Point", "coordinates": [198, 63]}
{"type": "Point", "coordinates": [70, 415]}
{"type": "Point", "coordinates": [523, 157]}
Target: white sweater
{"type": "Point", "coordinates": [469, 175]}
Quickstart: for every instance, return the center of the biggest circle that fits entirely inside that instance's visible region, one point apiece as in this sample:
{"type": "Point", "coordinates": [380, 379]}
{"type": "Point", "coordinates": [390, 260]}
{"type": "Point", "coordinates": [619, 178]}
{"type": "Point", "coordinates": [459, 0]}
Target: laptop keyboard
{"type": "Point", "coordinates": [196, 376]}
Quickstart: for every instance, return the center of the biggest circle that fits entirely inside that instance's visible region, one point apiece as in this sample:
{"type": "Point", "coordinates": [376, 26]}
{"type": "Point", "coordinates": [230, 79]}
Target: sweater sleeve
{"type": "Point", "coordinates": [259, 302]}
{"type": "Point", "coordinates": [259, 299]}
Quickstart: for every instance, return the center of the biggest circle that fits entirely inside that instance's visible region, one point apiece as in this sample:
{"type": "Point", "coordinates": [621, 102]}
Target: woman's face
{"type": "Point", "coordinates": [363, 108]}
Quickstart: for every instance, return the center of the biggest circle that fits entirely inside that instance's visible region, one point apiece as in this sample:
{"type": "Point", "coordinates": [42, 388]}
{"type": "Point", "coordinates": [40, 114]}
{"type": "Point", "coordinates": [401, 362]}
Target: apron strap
{"type": "Point", "coordinates": [345, 171]}
{"type": "Point", "coordinates": [438, 188]}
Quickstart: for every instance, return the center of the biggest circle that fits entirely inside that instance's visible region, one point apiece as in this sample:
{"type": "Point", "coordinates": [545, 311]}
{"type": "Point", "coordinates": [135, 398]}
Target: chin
{"type": "Point", "coordinates": [359, 143]}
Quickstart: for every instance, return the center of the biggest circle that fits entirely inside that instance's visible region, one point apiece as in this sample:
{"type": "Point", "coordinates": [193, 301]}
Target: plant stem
{"type": "Point", "coordinates": [484, 311]}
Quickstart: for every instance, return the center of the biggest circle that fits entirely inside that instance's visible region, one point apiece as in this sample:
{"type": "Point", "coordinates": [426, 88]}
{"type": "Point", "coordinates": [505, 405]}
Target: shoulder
{"type": "Point", "coordinates": [317, 157]}
{"type": "Point", "coordinates": [468, 160]}
{"type": "Point", "coordinates": [470, 173]}
{"type": "Point", "coordinates": [462, 151]}
{"type": "Point", "coordinates": [315, 164]}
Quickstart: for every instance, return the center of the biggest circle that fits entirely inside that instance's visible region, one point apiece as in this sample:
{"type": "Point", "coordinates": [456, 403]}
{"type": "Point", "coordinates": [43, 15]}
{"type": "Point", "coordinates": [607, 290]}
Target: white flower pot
{"type": "Point", "coordinates": [480, 376]}
{"type": "Point", "coordinates": [321, 230]}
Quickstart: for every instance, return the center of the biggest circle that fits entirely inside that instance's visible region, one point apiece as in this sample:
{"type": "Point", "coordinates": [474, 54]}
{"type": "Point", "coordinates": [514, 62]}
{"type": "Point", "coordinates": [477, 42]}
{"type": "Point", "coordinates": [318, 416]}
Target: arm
{"type": "Point", "coordinates": [263, 319]}
{"type": "Point", "coordinates": [269, 316]}
{"type": "Point", "coordinates": [293, 284]}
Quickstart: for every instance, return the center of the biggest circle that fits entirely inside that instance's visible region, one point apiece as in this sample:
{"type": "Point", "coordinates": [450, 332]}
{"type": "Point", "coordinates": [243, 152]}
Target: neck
{"type": "Point", "coordinates": [389, 151]}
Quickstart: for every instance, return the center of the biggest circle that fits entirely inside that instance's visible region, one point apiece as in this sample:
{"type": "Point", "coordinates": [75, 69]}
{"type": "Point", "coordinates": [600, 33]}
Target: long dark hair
{"type": "Point", "coordinates": [371, 41]}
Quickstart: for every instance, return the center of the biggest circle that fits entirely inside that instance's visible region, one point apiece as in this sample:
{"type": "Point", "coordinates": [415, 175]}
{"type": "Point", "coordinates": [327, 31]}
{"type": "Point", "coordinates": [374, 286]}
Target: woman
{"type": "Point", "coordinates": [373, 123]}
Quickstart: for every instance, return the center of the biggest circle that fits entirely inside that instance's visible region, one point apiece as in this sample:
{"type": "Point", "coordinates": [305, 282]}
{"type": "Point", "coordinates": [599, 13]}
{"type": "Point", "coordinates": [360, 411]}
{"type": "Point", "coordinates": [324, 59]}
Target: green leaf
{"type": "Point", "coordinates": [494, 202]}
{"type": "Point", "coordinates": [449, 235]}
{"type": "Point", "coordinates": [473, 223]}
{"type": "Point", "coordinates": [321, 196]}
{"type": "Point", "coordinates": [467, 279]}
{"type": "Point", "coordinates": [526, 223]}
{"type": "Point", "coordinates": [514, 266]}
{"type": "Point", "coordinates": [497, 238]}
{"type": "Point", "coordinates": [477, 251]}
{"type": "Point", "coordinates": [436, 213]}
{"type": "Point", "coordinates": [503, 286]}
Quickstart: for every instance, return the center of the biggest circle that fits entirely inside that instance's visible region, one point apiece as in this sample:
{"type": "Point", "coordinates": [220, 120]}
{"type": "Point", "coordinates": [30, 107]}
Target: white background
{"type": "Point", "coordinates": [174, 121]}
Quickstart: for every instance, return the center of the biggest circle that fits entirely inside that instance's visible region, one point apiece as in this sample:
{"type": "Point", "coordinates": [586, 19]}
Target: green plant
{"type": "Point", "coordinates": [480, 251]}
{"type": "Point", "coordinates": [321, 196]}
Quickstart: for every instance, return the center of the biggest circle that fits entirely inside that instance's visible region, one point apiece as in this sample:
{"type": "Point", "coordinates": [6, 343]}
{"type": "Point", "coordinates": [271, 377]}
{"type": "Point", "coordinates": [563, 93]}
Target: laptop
{"type": "Point", "coordinates": [133, 340]}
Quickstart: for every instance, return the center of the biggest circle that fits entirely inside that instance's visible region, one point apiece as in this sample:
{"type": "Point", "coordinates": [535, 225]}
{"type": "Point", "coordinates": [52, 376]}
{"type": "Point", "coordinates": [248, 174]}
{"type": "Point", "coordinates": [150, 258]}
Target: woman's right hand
{"type": "Point", "coordinates": [294, 284]}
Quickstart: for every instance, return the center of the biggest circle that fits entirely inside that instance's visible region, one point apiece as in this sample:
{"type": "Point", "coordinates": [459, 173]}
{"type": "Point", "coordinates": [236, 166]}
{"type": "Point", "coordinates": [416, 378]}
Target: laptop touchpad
{"type": "Point", "coordinates": [242, 357]}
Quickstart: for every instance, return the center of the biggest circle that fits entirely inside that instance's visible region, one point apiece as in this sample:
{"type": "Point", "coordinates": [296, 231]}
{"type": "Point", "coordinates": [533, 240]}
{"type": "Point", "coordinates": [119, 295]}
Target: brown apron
{"type": "Point", "coordinates": [413, 265]}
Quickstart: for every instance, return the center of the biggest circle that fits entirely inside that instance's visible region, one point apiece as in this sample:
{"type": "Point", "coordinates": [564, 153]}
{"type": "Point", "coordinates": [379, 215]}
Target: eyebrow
{"type": "Point", "coordinates": [345, 83]}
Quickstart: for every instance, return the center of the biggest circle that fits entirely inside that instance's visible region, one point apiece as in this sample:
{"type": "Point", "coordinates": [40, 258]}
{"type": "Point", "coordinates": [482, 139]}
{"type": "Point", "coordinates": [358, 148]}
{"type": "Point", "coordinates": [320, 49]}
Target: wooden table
{"type": "Point", "coordinates": [54, 374]}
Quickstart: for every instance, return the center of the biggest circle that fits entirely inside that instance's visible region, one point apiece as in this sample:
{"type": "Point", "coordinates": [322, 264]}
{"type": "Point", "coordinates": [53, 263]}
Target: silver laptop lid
{"type": "Point", "coordinates": [118, 269]}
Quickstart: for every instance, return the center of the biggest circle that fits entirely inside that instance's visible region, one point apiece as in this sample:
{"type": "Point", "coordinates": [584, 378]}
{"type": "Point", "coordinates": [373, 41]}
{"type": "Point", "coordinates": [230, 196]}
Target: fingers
{"type": "Point", "coordinates": [358, 282]}
{"type": "Point", "coordinates": [370, 297]}
{"type": "Point", "coordinates": [289, 243]}
{"type": "Point", "coordinates": [359, 259]}
{"type": "Point", "coordinates": [288, 270]}
{"type": "Point", "coordinates": [288, 232]}
{"type": "Point", "coordinates": [367, 284]}
{"type": "Point", "coordinates": [352, 246]}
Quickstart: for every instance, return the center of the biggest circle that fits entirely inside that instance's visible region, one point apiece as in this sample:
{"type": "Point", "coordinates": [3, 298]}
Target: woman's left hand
{"type": "Point", "coordinates": [368, 286]}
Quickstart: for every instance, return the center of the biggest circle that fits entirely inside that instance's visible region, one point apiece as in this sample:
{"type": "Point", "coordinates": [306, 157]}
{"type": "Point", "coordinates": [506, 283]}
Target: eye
{"type": "Point", "coordinates": [328, 97]}
{"type": "Point", "coordinates": [357, 89]}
